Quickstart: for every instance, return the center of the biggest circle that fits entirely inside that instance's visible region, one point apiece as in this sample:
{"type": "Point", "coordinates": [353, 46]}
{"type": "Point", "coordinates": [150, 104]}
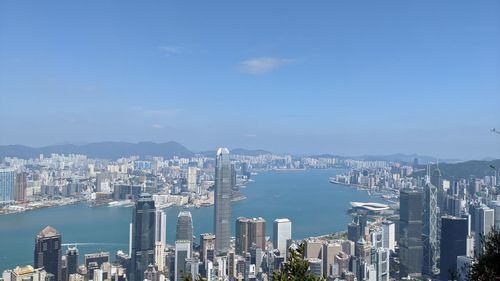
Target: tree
{"type": "Point", "coordinates": [296, 267]}
{"type": "Point", "coordinates": [487, 266]}
{"type": "Point", "coordinates": [188, 277]}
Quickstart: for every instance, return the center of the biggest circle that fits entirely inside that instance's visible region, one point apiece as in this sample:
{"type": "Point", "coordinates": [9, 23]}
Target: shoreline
{"type": "Point", "coordinates": [116, 230]}
{"type": "Point", "coordinates": [38, 205]}
{"type": "Point", "coordinates": [364, 188]}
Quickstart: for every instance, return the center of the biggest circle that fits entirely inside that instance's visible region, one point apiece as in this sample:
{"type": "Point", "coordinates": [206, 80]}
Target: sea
{"type": "Point", "coordinates": [313, 204]}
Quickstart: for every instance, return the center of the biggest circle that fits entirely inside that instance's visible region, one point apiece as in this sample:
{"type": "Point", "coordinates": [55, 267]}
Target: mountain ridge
{"type": "Point", "coordinates": [105, 150]}
{"type": "Point", "coordinates": [118, 149]}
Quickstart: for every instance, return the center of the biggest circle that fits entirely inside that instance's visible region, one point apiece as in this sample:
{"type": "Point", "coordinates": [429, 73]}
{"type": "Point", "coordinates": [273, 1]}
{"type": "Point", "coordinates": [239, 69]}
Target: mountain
{"type": "Point", "coordinates": [408, 158]}
{"type": "Point", "coordinates": [249, 152]}
{"type": "Point", "coordinates": [104, 150]}
{"type": "Point", "coordinates": [473, 168]}
{"type": "Point", "coordinates": [326, 155]}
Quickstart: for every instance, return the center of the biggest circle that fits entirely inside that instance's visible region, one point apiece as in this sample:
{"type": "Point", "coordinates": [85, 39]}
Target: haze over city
{"type": "Point", "coordinates": [249, 140]}
{"type": "Point", "coordinates": [340, 77]}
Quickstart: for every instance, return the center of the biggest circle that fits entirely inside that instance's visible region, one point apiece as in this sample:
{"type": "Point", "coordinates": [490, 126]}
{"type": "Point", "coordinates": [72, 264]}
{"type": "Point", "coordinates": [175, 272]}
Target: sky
{"type": "Point", "coordinates": [342, 77]}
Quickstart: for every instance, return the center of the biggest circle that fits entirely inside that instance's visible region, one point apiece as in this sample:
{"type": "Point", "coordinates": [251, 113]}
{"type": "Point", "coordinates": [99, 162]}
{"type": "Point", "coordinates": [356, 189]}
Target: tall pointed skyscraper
{"type": "Point", "coordinates": [48, 251]}
{"type": "Point", "coordinates": [222, 208]}
{"type": "Point", "coordinates": [429, 230]}
{"type": "Point", "coordinates": [143, 236]}
{"type": "Point", "coordinates": [184, 227]}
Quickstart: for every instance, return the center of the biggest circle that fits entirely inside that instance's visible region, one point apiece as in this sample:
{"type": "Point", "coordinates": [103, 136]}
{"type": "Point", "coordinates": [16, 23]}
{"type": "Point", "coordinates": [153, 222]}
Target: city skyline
{"type": "Point", "coordinates": [376, 78]}
{"type": "Point", "coordinates": [249, 140]}
{"type": "Point", "coordinates": [368, 247]}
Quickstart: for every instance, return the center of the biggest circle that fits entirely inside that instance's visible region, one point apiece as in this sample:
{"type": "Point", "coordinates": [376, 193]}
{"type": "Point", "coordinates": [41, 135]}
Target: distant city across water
{"type": "Point", "coordinates": [313, 204]}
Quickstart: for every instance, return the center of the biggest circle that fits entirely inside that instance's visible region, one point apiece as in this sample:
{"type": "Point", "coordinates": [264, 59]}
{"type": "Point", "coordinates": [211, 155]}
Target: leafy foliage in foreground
{"type": "Point", "coordinates": [188, 277]}
{"type": "Point", "coordinates": [487, 267]}
{"type": "Point", "coordinates": [296, 267]}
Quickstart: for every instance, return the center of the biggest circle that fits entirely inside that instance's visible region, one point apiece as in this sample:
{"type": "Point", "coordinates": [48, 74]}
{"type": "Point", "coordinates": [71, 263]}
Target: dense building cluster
{"type": "Point", "coordinates": [432, 229]}
{"type": "Point", "coordinates": [65, 179]}
{"type": "Point", "coordinates": [436, 226]}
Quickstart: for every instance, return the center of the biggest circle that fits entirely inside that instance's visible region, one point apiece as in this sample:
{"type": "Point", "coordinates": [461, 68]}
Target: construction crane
{"type": "Point", "coordinates": [495, 131]}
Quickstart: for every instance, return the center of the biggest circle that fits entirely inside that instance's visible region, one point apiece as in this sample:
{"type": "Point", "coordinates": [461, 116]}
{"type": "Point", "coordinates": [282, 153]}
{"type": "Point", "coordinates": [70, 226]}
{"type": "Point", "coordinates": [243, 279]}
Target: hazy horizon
{"type": "Point", "coordinates": [330, 77]}
{"type": "Point", "coordinates": [437, 157]}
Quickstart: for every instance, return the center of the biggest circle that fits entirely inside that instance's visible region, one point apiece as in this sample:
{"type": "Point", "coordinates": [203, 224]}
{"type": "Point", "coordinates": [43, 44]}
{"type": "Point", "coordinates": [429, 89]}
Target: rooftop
{"type": "Point", "coordinates": [222, 150]}
{"type": "Point", "coordinates": [48, 231]}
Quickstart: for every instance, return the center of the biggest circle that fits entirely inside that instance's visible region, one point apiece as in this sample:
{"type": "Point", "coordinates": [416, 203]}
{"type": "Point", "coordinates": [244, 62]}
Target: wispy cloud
{"type": "Point", "coordinates": [250, 135]}
{"type": "Point", "coordinates": [157, 126]}
{"type": "Point", "coordinates": [171, 50]}
{"type": "Point", "coordinates": [264, 65]}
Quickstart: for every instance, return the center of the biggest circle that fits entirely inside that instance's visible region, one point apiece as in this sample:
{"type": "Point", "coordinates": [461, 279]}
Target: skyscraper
{"type": "Point", "coordinates": [328, 253]}
{"type": "Point", "coordinates": [242, 234]}
{"type": "Point", "coordinates": [191, 178]}
{"type": "Point", "coordinates": [257, 233]}
{"type": "Point", "coordinates": [160, 238]}
{"type": "Point", "coordinates": [410, 232]}
{"type": "Point", "coordinates": [72, 256]}
{"type": "Point", "coordinates": [353, 230]}
{"type": "Point", "coordinates": [250, 232]}
{"type": "Point", "coordinates": [484, 222]}
{"type": "Point", "coordinates": [429, 230]}
{"type": "Point", "coordinates": [48, 251]}
{"type": "Point", "coordinates": [282, 232]}
{"type": "Point", "coordinates": [143, 236]}
{"type": "Point", "coordinates": [382, 263]}
{"type": "Point", "coordinates": [7, 177]}
{"type": "Point", "coordinates": [495, 205]}
{"type": "Point", "coordinates": [363, 251]}
{"type": "Point", "coordinates": [222, 209]}
{"type": "Point", "coordinates": [160, 226]}
{"type": "Point", "coordinates": [184, 227]}
{"type": "Point", "coordinates": [95, 260]}
{"type": "Point", "coordinates": [388, 235]}
{"type": "Point", "coordinates": [20, 187]}
{"type": "Point", "coordinates": [182, 252]}
{"type": "Point", "coordinates": [207, 243]}
{"type": "Point", "coordinates": [454, 233]}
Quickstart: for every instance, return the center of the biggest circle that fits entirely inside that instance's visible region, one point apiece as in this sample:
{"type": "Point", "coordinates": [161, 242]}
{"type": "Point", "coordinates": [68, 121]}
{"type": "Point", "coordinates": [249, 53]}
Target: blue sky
{"type": "Point", "coordinates": [346, 77]}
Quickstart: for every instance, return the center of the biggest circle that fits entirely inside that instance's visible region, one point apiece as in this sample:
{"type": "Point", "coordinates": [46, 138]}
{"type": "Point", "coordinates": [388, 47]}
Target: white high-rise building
{"type": "Point", "coordinates": [191, 179]}
{"type": "Point", "coordinates": [382, 263]}
{"type": "Point", "coordinates": [389, 235]}
{"type": "Point", "coordinates": [210, 271]}
{"type": "Point", "coordinates": [495, 205]}
{"type": "Point", "coordinates": [160, 238]}
{"type": "Point", "coordinates": [484, 224]}
{"type": "Point", "coordinates": [160, 226]}
{"type": "Point", "coordinates": [282, 231]}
